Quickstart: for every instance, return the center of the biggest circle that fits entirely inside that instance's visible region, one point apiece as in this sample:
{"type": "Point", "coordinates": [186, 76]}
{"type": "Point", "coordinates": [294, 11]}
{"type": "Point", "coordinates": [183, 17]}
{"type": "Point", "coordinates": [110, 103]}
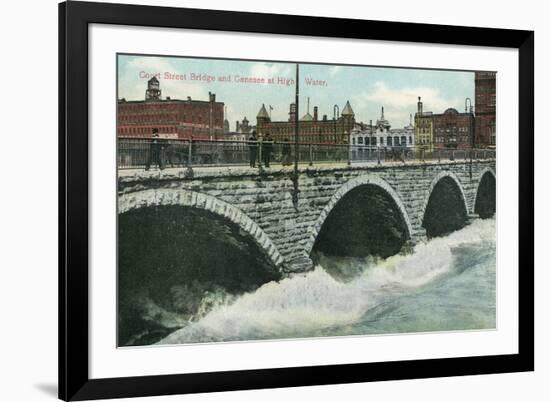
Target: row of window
{"type": "Point", "coordinates": [152, 118]}
{"type": "Point", "coordinates": [452, 129]}
{"type": "Point", "coordinates": [303, 130]}
{"type": "Point", "coordinates": [162, 130]}
{"type": "Point", "coordinates": [146, 130]}
{"type": "Point", "coordinates": [452, 139]}
{"type": "Point", "coordinates": [389, 140]}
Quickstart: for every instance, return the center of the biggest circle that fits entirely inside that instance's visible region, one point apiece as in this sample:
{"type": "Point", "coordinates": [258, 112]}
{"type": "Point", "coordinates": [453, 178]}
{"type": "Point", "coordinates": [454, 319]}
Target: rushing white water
{"type": "Point", "coordinates": [447, 283]}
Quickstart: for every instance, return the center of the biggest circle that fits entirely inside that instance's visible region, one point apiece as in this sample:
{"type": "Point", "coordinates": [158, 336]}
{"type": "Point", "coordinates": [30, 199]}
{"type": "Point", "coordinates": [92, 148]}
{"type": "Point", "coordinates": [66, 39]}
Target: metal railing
{"type": "Point", "coordinates": [144, 153]}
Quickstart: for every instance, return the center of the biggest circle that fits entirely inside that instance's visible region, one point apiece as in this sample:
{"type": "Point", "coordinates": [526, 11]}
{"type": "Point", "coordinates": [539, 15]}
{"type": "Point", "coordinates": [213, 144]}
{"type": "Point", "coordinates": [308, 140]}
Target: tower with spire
{"type": "Point", "coordinates": [382, 122]}
{"type": "Point", "coordinates": [262, 120]}
{"type": "Point", "coordinates": [347, 111]}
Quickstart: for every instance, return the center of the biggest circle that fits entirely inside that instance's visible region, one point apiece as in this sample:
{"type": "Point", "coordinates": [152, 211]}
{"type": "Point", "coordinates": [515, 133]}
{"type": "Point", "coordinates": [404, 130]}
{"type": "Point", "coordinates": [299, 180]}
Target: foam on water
{"type": "Point", "coordinates": [306, 304]}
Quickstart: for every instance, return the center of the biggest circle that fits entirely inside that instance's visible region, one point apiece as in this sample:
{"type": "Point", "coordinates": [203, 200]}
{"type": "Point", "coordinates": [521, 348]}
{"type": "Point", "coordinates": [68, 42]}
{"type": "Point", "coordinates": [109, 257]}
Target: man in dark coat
{"type": "Point", "coordinates": [267, 149]}
{"type": "Point", "coordinates": [253, 149]}
{"type": "Point", "coordinates": [155, 148]}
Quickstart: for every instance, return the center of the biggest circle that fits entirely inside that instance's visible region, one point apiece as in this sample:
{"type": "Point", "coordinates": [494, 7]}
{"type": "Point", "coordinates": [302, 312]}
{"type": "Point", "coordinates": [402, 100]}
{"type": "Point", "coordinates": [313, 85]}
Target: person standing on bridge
{"type": "Point", "coordinates": [155, 148]}
{"type": "Point", "coordinates": [286, 158]}
{"type": "Point", "coordinates": [267, 149]}
{"type": "Point", "coordinates": [253, 149]}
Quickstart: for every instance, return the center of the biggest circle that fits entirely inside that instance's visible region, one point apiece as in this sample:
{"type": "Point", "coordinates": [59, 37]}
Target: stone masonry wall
{"type": "Point", "coordinates": [262, 204]}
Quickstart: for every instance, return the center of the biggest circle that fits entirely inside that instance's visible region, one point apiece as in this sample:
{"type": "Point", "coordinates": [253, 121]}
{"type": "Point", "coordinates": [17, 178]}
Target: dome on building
{"type": "Point", "coordinates": [451, 110]}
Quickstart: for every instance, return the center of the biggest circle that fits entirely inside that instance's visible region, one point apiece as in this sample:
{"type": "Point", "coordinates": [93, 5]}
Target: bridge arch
{"type": "Point", "coordinates": [345, 189]}
{"type": "Point", "coordinates": [186, 198]}
{"type": "Point", "coordinates": [445, 177]}
{"type": "Point", "coordinates": [480, 178]}
{"type": "Point", "coordinates": [434, 182]}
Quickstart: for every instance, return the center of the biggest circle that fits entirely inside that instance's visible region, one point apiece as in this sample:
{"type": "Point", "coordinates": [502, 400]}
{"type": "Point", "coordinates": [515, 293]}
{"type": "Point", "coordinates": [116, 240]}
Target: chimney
{"type": "Point", "coordinates": [324, 117]}
{"type": "Point", "coordinates": [292, 112]}
{"type": "Point", "coordinates": [237, 126]}
{"type": "Point", "coordinates": [315, 113]}
{"type": "Point", "coordinates": [419, 105]}
{"type": "Point", "coordinates": [211, 97]}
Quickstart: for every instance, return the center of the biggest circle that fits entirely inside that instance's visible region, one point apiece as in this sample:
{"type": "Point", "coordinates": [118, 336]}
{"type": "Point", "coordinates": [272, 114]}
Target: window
{"type": "Point", "coordinates": [410, 139]}
{"type": "Point", "coordinates": [388, 141]}
{"type": "Point", "coordinates": [360, 140]}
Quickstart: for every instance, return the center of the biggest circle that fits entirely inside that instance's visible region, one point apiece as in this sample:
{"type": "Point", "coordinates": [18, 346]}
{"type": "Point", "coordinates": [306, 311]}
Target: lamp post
{"type": "Point", "coordinates": [336, 116]}
{"type": "Point", "coordinates": [472, 130]}
{"type": "Point", "coordinates": [348, 134]}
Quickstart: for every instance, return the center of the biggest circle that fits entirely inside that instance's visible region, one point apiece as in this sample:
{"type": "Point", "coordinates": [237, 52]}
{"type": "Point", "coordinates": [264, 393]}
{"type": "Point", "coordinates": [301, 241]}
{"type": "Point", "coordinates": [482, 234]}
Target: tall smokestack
{"type": "Point", "coordinates": [315, 113]}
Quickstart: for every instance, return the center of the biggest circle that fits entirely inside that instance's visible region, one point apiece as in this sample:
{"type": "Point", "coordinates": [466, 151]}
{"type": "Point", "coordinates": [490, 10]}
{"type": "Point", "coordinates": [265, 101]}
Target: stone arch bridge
{"type": "Point", "coordinates": [262, 205]}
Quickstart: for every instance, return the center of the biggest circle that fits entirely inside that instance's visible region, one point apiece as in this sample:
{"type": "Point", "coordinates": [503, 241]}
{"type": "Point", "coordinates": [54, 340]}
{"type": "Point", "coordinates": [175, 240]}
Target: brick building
{"type": "Point", "coordinates": [485, 107]}
{"type": "Point", "coordinates": [174, 118]}
{"type": "Point", "coordinates": [452, 129]}
{"type": "Point", "coordinates": [311, 129]}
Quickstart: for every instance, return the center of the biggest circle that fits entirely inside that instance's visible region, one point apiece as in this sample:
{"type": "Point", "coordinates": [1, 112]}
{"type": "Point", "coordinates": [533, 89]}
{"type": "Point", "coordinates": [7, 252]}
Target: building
{"type": "Point", "coordinates": [448, 130]}
{"type": "Point", "coordinates": [423, 128]}
{"type": "Point", "coordinates": [243, 131]}
{"type": "Point", "coordinates": [485, 108]}
{"type": "Point", "coordinates": [452, 129]}
{"type": "Point", "coordinates": [311, 128]}
{"type": "Point", "coordinates": [174, 118]}
{"type": "Point", "coordinates": [382, 135]}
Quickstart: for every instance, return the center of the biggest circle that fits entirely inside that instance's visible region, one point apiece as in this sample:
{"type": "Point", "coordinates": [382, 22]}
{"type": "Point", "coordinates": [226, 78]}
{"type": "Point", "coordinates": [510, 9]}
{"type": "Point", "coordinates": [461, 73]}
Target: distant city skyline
{"type": "Point", "coordinates": [245, 85]}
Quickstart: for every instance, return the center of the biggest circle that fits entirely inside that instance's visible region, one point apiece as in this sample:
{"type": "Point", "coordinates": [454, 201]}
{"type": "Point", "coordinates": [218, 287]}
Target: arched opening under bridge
{"type": "Point", "coordinates": [176, 263]}
{"type": "Point", "coordinates": [485, 203]}
{"type": "Point", "coordinates": [446, 210]}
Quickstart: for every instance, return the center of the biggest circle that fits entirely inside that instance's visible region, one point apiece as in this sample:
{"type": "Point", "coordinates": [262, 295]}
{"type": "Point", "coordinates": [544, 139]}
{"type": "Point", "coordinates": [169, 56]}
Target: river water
{"type": "Point", "coordinates": [447, 283]}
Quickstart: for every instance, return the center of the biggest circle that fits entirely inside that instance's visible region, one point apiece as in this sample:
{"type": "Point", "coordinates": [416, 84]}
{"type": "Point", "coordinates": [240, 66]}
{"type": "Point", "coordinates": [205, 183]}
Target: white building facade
{"type": "Point", "coordinates": [382, 135]}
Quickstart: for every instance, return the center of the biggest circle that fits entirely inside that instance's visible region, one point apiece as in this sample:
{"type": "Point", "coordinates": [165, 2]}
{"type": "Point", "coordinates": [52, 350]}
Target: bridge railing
{"type": "Point", "coordinates": [141, 153]}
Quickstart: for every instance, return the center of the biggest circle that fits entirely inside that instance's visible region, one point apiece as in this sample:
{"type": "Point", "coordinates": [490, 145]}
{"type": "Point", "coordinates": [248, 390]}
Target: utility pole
{"type": "Point", "coordinates": [296, 136]}
{"type": "Point", "coordinates": [472, 128]}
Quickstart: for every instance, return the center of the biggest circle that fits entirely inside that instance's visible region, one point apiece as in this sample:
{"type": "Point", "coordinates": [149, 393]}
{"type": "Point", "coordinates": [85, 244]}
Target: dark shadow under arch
{"type": "Point", "coordinates": [446, 209]}
{"type": "Point", "coordinates": [173, 261]}
{"type": "Point", "coordinates": [485, 204]}
{"type": "Point", "coordinates": [365, 221]}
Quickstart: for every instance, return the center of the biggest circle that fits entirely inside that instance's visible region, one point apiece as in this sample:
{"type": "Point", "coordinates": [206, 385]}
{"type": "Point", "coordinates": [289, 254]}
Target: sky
{"type": "Point", "coordinates": [245, 85]}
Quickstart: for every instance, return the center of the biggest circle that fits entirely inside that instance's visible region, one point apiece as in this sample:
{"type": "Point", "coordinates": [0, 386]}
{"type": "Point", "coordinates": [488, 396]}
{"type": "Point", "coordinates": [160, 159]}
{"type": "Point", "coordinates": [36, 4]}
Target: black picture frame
{"type": "Point", "coordinates": [74, 18]}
